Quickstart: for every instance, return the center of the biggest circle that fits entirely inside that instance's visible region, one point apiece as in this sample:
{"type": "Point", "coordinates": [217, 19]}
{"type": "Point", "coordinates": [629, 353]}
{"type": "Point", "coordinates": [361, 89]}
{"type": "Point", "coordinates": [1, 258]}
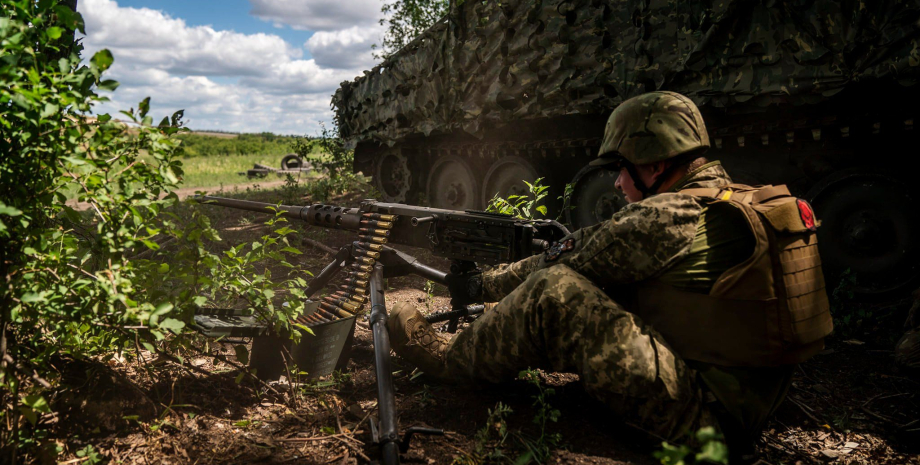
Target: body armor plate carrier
{"type": "Point", "coordinates": [771, 309]}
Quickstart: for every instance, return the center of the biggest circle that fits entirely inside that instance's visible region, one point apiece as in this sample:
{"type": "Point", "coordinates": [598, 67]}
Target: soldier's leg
{"type": "Point", "coordinates": [559, 320]}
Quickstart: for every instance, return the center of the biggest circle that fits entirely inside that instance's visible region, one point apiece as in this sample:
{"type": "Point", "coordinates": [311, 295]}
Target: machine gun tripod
{"type": "Point", "coordinates": [392, 263]}
{"type": "Point", "coordinates": [465, 237]}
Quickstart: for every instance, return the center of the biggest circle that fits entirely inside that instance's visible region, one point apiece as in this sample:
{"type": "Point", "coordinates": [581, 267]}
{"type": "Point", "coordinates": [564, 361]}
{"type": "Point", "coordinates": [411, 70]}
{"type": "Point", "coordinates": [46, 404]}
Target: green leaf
{"type": "Point", "coordinates": [54, 33]}
{"type": "Point", "coordinates": [151, 245]}
{"type": "Point", "coordinates": [173, 325]}
{"type": "Point", "coordinates": [9, 211]}
{"type": "Point", "coordinates": [306, 329]}
{"type": "Point", "coordinates": [292, 250]}
{"type": "Point", "coordinates": [102, 60]}
{"type": "Point", "coordinates": [161, 309]}
{"type": "Point", "coordinates": [242, 354]}
{"type": "Point", "coordinates": [108, 85]}
{"type": "Point", "coordinates": [706, 434]}
{"type": "Point", "coordinates": [714, 452]}
{"type": "Point", "coordinates": [29, 414]}
{"type": "Point", "coordinates": [242, 423]}
{"type": "Point", "coordinates": [143, 107]}
{"type": "Point", "coordinates": [32, 297]}
{"type": "Point", "coordinates": [542, 209]}
{"type": "Point", "coordinates": [37, 403]}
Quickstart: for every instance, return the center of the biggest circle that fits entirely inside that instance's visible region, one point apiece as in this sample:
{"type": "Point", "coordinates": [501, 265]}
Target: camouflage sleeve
{"type": "Point", "coordinates": [638, 242]}
{"type": "Point", "coordinates": [499, 281]}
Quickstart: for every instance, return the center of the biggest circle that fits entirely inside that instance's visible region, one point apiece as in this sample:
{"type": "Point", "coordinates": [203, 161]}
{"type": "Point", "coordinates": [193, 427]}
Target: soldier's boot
{"type": "Point", "coordinates": [413, 339]}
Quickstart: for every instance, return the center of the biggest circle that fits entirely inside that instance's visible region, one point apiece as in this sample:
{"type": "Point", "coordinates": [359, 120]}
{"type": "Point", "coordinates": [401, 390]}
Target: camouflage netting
{"type": "Point", "coordinates": [487, 64]}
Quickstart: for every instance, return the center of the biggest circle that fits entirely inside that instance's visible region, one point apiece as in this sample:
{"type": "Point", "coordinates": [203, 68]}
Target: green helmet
{"type": "Point", "coordinates": [653, 127]}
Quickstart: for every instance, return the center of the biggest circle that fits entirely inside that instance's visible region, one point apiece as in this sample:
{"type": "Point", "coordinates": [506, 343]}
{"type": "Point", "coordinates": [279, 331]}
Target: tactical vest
{"type": "Point", "coordinates": [772, 309]}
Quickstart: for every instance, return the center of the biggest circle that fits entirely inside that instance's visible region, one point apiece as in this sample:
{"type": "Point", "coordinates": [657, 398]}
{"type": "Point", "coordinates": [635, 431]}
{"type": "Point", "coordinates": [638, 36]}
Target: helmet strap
{"type": "Point", "coordinates": [677, 162]}
{"type": "Point", "coordinates": [634, 174]}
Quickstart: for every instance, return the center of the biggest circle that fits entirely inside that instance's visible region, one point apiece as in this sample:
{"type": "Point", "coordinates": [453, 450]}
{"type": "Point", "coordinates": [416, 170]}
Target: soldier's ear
{"type": "Point", "coordinates": [657, 168]}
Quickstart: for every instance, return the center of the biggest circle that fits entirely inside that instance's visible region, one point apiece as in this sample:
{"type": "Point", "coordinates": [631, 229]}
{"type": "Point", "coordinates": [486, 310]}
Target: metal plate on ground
{"type": "Point", "coordinates": [224, 323]}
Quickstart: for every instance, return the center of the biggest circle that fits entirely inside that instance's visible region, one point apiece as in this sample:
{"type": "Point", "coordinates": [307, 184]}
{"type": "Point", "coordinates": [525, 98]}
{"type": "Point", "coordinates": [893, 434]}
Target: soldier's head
{"type": "Point", "coordinates": [652, 139]}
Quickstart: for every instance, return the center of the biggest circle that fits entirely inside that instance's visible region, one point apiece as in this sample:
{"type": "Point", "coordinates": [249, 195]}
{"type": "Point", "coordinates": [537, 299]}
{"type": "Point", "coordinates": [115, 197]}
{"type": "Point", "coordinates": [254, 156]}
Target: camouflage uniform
{"type": "Point", "coordinates": [555, 315]}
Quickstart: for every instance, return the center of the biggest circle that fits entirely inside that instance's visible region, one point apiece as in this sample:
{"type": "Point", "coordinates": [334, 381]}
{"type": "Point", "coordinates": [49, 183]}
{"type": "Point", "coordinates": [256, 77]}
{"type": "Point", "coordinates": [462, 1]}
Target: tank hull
{"type": "Point", "coordinates": [794, 92]}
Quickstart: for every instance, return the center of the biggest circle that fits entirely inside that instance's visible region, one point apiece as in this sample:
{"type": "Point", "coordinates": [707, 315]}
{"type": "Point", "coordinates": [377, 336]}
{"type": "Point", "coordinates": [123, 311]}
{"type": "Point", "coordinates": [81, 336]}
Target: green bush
{"type": "Point", "coordinates": [90, 284]}
{"type": "Point", "coordinates": [266, 143]}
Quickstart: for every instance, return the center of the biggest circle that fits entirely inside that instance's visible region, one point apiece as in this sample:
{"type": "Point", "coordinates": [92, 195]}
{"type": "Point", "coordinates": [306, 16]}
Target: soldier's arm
{"type": "Point", "coordinates": [499, 281]}
{"type": "Point", "coordinates": [639, 241]}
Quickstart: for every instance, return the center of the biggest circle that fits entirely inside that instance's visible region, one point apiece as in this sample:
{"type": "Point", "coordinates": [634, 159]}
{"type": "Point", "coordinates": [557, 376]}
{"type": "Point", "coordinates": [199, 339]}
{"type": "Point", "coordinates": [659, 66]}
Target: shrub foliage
{"type": "Point", "coordinates": [78, 284]}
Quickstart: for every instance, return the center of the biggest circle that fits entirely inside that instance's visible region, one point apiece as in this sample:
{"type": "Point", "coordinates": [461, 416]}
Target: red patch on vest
{"type": "Point", "coordinates": [807, 214]}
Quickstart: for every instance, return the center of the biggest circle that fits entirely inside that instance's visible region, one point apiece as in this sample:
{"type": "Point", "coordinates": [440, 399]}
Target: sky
{"type": "Point", "coordinates": [233, 65]}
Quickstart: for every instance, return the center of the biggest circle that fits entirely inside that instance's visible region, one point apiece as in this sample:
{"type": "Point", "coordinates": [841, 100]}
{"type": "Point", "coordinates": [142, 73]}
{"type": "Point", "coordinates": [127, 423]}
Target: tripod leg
{"type": "Point", "coordinates": [386, 397]}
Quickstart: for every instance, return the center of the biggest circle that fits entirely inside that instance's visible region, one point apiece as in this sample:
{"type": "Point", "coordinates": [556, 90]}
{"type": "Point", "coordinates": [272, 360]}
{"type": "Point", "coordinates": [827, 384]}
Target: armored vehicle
{"type": "Point", "coordinates": [816, 94]}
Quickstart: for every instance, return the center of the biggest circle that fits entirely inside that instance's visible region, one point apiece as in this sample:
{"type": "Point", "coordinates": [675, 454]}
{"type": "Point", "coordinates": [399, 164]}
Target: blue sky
{"type": "Point", "coordinates": [234, 65]}
{"type": "Point", "coordinates": [222, 15]}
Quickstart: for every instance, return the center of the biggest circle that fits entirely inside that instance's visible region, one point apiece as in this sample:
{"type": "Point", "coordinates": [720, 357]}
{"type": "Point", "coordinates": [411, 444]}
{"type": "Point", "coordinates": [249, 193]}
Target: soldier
{"type": "Point", "coordinates": [689, 307]}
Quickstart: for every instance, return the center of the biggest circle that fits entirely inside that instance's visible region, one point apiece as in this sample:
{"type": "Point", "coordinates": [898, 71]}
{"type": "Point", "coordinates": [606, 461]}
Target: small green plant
{"type": "Point", "coordinates": [425, 397]}
{"type": "Point", "coordinates": [89, 455]}
{"type": "Point", "coordinates": [853, 318]}
{"type": "Point", "coordinates": [566, 200]}
{"type": "Point", "coordinates": [710, 449]}
{"type": "Point", "coordinates": [490, 439]}
{"type": "Point", "coordinates": [522, 206]}
{"type": "Point", "coordinates": [495, 442]}
{"type": "Point", "coordinates": [333, 160]}
{"type": "Point", "coordinates": [292, 191]}
{"type": "Point", "coordinates": [539, 449]}
{"type": "Point", "coordinates": [429, 295]}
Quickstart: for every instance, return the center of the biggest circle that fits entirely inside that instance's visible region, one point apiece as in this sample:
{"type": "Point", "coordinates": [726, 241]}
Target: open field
{"type": "Point", "coordinates": [221, 135]}
{"type": "Point", "coordinates": [222, 170]}
{"type": "Point", "coordinates": [847, 405]}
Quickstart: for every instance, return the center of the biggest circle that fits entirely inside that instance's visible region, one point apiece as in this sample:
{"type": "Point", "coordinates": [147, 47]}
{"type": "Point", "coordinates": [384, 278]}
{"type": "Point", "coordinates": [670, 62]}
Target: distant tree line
{"type": "Point", "coordinates": [266, 143]}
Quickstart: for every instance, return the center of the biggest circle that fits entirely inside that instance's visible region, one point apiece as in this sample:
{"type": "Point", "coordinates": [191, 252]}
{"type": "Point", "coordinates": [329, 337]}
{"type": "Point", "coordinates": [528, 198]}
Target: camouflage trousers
{"type": "Point", "coordinates": [560, 321]}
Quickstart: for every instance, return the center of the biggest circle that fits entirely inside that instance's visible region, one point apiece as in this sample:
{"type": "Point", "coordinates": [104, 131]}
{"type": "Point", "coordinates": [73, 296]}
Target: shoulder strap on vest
{"type": "Point", "coordinates": [705, 192]}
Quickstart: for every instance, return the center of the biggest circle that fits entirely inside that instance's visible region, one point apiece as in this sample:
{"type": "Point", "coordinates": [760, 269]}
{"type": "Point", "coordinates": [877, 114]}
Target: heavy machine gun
{"type": "Point", "coordinates": [467, 238]}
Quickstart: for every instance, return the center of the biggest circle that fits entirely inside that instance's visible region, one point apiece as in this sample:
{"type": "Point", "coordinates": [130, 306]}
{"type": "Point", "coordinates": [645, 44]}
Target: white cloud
{"type": "Point", "coordinates": [224, 79]}
{"type": "Point", "coordinates": [300, 77]}
{"type": "Point", "coordinates": [151, 38]}
{"type": "Point", "coordinates": [346, 48]}
{"type": "Point", "coordinates": [317, 15]}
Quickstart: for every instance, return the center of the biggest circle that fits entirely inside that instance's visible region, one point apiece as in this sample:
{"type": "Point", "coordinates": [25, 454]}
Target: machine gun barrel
{"type": "Point", "coordinates": [319, 215]}
{"type": "Point", "coordinates": [473, 236]}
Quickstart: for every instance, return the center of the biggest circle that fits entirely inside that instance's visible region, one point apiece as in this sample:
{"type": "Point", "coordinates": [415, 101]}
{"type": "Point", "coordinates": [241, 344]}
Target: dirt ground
{"type": "Point", "coordinates": [847, 405]}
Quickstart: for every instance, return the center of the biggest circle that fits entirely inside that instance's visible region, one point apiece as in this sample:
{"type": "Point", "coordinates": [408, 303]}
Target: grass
{"type": "Point", "coordinates": [222, 170]}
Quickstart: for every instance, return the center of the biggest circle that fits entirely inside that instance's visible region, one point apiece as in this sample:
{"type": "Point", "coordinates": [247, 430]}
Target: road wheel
{"type": "Point", "coordinates": [393, 178]}
{"type": "Point", "coordinates": [870, 225]}
{"type": "Point", "coordinates": [593, 198]}
{"type": "Point", "coordinates": [452, 185]}
{"type": "Point", "coordinates": [506, 178]}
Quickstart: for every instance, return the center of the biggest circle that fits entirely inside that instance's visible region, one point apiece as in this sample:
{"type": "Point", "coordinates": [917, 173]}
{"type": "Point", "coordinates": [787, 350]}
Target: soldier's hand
{"type": "Point", "coordinates": [465, 288]}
